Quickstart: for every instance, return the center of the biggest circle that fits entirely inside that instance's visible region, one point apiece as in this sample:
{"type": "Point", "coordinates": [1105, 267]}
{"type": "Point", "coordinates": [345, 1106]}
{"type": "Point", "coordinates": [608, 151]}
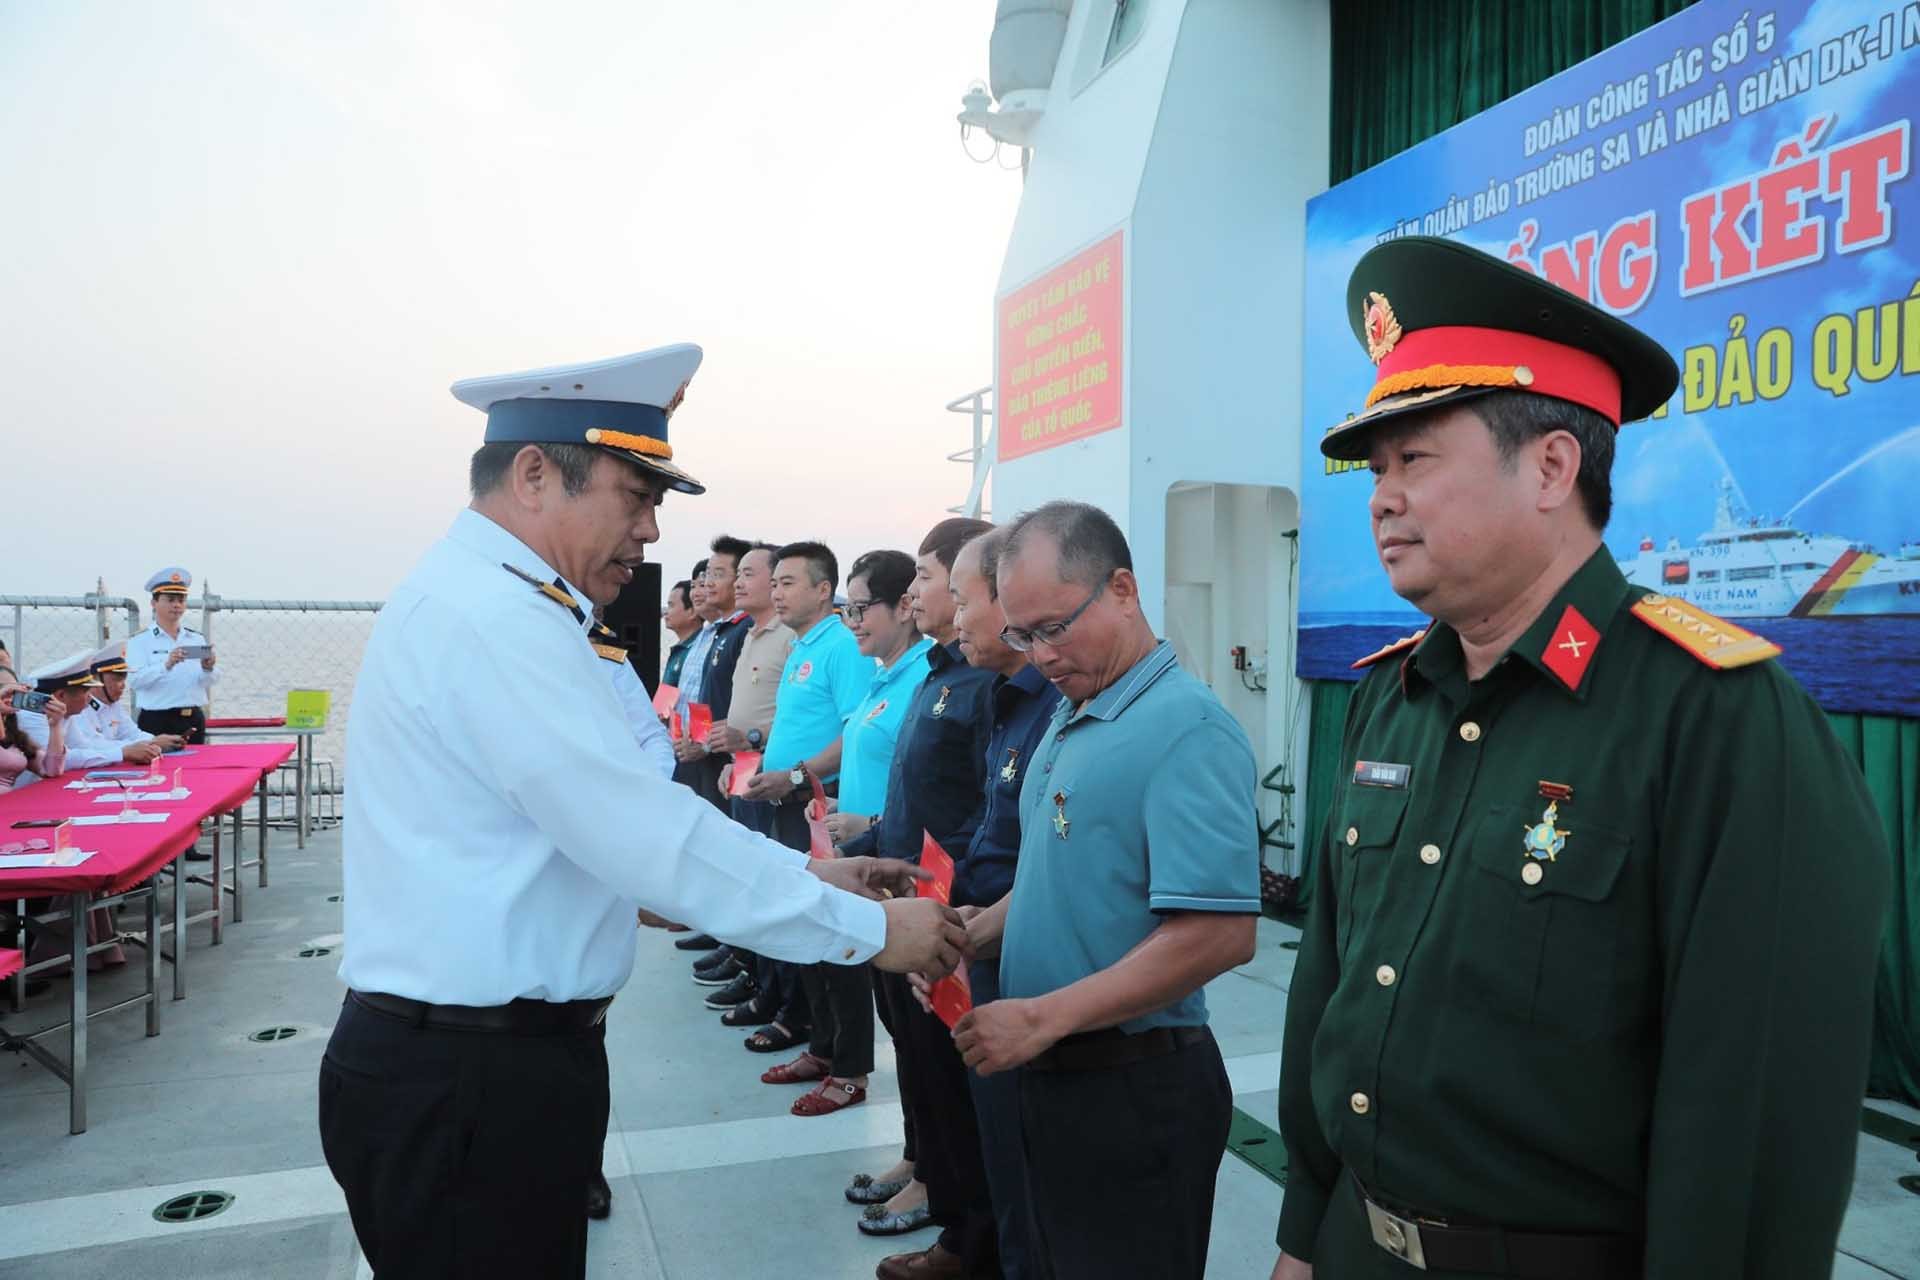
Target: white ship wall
{"type": "Point", "coordinates": [1203, 141]}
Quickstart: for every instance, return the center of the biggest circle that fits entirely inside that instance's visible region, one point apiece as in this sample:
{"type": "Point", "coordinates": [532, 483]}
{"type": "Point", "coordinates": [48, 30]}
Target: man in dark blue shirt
{"type": "Point", "coordinates": [936, 785]}
{"type": "Point", "coordinates": [1023, 703]}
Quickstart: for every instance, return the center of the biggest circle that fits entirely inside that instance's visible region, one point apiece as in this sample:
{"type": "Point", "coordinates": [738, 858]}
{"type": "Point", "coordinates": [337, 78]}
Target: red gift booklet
{"type": "Point", "coordinates": [817, 822]}
{"type": "Point", "coordinates": [664, 698]}
{"type": "Point", "coordinates": [952, 996]}
{"type": "Point", "coordinates": [699, 721]}
{"type": "Point", "coordinates": [745, 765]}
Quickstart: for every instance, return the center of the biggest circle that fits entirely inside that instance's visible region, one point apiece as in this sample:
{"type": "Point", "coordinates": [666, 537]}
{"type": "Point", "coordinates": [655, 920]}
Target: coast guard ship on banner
{"type": "Point", "coordinates": [1747, 567]}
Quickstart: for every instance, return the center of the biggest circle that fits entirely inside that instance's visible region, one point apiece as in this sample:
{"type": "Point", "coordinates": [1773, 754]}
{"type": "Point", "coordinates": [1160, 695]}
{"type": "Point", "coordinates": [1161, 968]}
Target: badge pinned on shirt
{"type": "Point", "coordinates": [878, 710]}
{"type": "Point", "coordinates": [1011, 769]}
{"type": "Point", "coordinates": [1543, 842]}
{"type": "Point", "coordinates": [940, 707]}
{"type": "Point", "coordinates": [1376, 773]}
{"type": "Point", "coordinates": [1061, 822]}
{"type": "Point", "coordinates": [803, 671]}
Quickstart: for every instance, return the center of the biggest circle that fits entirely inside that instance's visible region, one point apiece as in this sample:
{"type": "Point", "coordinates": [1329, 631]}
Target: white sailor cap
{"type": "Point", "coordinates": [171, 581]}
{"type": "Point", "coordinates": [74, 671]}
{"type": "Point", "coordinates": [109, 658]}
{"type": "Point", "coordinates": [622, 405]}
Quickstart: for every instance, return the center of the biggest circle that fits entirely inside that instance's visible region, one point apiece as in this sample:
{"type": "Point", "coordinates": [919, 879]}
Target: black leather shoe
{"type": "Point", "coordinates": [599, 1196]}
{"type": "Point", "coordinates": [720, 975]}
{"type": "Point", "coordinates": [737, 992]}
{"type": "Point", "coordinates": [707, 963]}
{"type": "Point", "coordinates": [194, 855]}
{"type": "Point", "coordinates": [696, 942]}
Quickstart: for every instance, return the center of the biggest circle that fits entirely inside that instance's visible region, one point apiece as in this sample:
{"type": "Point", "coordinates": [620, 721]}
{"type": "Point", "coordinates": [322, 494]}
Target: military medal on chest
{"type": "Point", "coordinates": [1061, 823]}
{"type": "Point", "coordinates": [1011, 769]}
{"type": "Point", "coordinates": [940, 707]}
{"type": "Point", "coordinates": [1544, 840]}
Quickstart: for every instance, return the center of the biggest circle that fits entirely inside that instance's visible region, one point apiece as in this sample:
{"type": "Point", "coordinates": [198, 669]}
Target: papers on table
{"type": "Point", "coordinates": [177, 793]}
{"type": "Point", "coordinates": [125, 815]}
{"type": "Point", "coordinates": [129, 774]}
{"type": "Point", "coordinates": [62, 858]}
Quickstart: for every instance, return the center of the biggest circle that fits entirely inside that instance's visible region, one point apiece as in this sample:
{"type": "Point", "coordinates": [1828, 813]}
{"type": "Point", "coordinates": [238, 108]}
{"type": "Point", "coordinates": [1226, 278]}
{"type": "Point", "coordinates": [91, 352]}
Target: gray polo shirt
{"type": "Point", "coordinates": [1138, 803]}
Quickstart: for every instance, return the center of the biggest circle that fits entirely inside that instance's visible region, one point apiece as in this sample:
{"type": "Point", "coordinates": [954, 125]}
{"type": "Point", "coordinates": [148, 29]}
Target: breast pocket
{"type": "Point", "coordinates": [1550, 939]}
{"type": "Point", "coordinates": [1366, 828]}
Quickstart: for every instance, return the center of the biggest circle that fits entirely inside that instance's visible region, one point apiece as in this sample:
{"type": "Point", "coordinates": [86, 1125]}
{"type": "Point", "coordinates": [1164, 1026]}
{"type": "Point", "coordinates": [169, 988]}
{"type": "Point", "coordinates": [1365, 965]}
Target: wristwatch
{"type": "Point", "coordinates": [798, 776]}
{"type": "Point", "coordinates": [755, 738]}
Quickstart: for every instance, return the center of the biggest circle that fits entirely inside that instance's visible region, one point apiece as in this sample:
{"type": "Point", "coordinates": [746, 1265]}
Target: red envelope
{"type": "Point", "coordinates": [745, 765]}
{"type": "Point", "coordinates": [663, 699]}
{"type": "Point", "coordinates": [817, 822]}
{"type": "Point", "coordinates": [673, 727]}
{"type": "Point", "coordinates": [700, 721]}
{"type": "Point", "coordinates": [952, 996]}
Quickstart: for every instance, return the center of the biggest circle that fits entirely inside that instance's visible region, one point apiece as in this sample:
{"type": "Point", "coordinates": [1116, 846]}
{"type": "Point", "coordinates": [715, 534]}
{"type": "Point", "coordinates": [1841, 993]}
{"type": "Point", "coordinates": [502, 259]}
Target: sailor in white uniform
{"type": "Point", "coordinates": [502, 827]}
{"type": "Point", "coordinates": [72, 681]}
{"type": "Point", "coordinates": [168, 681]}
{"type": "Point", "coordinates": [105, 723]}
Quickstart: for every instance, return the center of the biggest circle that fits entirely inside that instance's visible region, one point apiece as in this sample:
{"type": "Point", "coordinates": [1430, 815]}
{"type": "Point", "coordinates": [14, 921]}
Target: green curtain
{"type": "Point", "coordinates": [1403, 70]}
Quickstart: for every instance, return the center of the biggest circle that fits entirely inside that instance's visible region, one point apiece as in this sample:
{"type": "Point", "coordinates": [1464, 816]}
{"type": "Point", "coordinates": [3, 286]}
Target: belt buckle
{"type": "Point", "coordinates": [1398, 1236]}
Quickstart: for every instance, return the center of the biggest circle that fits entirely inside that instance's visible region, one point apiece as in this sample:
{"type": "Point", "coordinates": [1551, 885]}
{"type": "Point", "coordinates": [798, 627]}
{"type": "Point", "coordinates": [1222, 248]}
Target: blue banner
{"type": "Point", "coordinates": [1738, 182]}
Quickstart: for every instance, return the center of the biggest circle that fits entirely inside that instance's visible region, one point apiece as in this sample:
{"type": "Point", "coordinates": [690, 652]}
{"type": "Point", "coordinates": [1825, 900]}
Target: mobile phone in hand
{"type": "Point", "coordinates": [196, 651]}
{"type": "Point", "coordinates": [31, 700]}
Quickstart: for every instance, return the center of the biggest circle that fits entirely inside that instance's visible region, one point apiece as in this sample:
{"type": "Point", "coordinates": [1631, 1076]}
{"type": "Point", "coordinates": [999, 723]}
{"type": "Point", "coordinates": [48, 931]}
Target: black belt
{"type": "Point", "coordinates": [1098, 1050]}
{"type": "Point", "coordinates": [1435, 1244]}
{"type": "Point", "coordinates": [517, 1018]}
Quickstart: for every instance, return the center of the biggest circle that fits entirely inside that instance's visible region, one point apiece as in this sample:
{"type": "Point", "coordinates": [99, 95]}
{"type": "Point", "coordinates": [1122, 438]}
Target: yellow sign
{"type": "Point", "coordinates": [307, 708]}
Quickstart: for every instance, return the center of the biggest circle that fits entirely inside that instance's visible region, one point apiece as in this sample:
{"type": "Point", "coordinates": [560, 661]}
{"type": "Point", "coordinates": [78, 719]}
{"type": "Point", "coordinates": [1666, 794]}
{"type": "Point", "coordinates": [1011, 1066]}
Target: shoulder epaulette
{"type": "Point", "coordinates": [1401, 645]}
{"type": "Point", "coordinates": [606, 643]}
{"type": "Point", "coordinates": [551, 591]}
{"type": "Point", "coordinates": [1714, 641]}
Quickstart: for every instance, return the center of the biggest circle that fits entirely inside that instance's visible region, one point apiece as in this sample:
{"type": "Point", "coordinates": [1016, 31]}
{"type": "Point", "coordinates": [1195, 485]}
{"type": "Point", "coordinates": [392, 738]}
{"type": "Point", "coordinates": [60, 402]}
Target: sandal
{"type": "Point", "coordinates": [866, 1190]}
{"type": "Point", "coordinates": [773, 1039]}
{"type": "Point", "coordinates": [806, 1067]}
{"type": "Point", "coordinates": [876, 1221]}
{"type": "Point", "coordinates": [755, 1012]}
{"type": "Point", "coordinates": [830, 1096]}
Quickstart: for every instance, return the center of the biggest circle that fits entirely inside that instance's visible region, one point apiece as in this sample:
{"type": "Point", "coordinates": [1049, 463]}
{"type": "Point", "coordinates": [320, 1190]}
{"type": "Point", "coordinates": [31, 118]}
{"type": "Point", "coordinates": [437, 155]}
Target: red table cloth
{"type": "Point", "coordinates": [123, 855]}
{"type": "Point", "coordinates": [11, 962]}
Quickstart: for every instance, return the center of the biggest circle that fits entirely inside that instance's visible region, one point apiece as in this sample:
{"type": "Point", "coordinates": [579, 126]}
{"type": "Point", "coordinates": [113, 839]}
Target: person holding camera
{"type": "Point", "coordinates": [170, 665]}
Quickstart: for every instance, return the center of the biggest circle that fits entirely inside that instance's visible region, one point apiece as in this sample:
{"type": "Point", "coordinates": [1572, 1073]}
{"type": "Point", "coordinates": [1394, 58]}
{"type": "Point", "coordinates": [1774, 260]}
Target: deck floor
{"type": "Point", "coordinates": [711, 1176]}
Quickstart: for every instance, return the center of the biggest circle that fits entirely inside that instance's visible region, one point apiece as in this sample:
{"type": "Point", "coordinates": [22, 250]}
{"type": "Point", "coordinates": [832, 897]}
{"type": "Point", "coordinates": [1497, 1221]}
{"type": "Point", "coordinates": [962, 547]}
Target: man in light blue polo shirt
{"type": "Point", "coordinates": [823, 680]}
{"type": "Point", "coordinates": [1138, 882]}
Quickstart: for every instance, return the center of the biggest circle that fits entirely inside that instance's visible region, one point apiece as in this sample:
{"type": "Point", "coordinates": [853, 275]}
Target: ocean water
{"type": "Point", "coordinates": [1862, 665]}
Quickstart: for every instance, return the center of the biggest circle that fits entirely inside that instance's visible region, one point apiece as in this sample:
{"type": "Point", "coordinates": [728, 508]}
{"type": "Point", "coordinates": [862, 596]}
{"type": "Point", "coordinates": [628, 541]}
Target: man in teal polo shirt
{"type": "Point", "coordinates": [1138, 882]}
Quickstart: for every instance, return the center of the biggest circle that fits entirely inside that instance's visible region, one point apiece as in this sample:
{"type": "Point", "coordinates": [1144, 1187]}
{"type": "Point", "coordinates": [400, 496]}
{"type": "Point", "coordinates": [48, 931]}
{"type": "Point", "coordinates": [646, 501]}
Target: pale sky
{"type": "Point", "coordinates": [244, 249]}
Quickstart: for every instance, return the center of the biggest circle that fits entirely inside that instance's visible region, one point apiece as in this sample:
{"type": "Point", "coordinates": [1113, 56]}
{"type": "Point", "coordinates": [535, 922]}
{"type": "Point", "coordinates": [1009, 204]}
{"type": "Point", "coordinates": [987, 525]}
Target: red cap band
{"type": "Point", "coordinates": [1461, 355]}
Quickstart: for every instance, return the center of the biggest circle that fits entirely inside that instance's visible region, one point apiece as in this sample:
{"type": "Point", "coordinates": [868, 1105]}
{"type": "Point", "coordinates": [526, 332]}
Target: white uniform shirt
{"type": "Point", "coordinates": [101, 728]}
{"type": "Point", "coordinates": [153, 685]}
{"type": "Point", "coordinates": [502, 824]}
{"type": "Point", "coordinates": [655, 745]}
{"type": "Point", "coordinates": [82, 753]}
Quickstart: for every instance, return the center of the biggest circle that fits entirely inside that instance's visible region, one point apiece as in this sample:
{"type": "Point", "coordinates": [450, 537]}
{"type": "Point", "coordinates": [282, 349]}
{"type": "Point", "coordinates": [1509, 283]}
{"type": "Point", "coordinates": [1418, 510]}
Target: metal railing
{"type": "Point", "coordinates": [980, 455]}
{"type": "Point", "coordinates": [265, 647]}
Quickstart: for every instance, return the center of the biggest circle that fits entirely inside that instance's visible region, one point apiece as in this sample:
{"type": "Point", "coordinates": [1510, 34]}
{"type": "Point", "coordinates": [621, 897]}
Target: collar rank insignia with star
{"type": "Point", "coordinates": [1570, 648]}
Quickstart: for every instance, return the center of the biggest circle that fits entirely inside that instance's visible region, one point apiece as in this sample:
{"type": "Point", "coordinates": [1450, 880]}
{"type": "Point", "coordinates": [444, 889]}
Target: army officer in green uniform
{"type": "Point", "coordinates": [1586, 991]}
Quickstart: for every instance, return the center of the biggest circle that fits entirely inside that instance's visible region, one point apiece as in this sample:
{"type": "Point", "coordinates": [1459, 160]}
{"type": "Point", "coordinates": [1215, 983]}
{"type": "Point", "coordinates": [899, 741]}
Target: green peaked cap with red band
{"type": "Point", "coordinates": [1445, 323]}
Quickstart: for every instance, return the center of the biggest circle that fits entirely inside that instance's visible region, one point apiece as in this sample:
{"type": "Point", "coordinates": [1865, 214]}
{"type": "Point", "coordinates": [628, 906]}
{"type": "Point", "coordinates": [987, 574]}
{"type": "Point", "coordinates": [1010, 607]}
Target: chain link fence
{"type": "Point", "coordinates": [265, 647]}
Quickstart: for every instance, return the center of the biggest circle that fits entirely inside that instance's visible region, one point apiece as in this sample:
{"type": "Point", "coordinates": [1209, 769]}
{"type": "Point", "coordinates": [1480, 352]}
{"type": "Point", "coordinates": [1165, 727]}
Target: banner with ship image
{"type": "Point", "coordinates": [1740, 182]}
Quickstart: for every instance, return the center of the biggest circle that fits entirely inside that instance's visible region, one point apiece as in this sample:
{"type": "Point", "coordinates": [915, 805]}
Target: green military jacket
{"type": "Point", "coordinates": [1660, 1030]}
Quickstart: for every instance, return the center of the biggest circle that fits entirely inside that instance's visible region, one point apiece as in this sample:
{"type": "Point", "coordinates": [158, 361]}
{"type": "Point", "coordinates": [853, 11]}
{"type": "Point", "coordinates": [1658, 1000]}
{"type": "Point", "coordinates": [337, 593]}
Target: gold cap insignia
{"type": "Point", "coordinates": [1383, 328]}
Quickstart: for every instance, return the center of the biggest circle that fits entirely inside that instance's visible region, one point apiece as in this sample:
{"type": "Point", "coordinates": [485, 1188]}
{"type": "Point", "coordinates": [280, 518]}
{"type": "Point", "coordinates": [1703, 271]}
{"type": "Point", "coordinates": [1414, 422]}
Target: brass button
{"type": "Point", "coordinates": [1532, 873]}
{"type": "Point", "coordinates": [1469, 732]}
{"type": "Point", "coordinates": [1353, 836]}
{"type": "Point", "coordinates": [1359, 1102]}
{"type": "Point", "coordinates": [1429, 853]}
{"type": "Point", "coordinates": [1396, 1237]}
{"type": "Point", "coordinates": [1385, 975]}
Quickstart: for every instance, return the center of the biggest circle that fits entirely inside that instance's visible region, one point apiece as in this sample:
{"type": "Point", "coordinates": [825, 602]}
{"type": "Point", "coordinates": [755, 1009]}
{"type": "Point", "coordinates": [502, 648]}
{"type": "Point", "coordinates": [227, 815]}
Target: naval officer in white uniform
{"type": "Point", "coordinates": [503, 825]}
{"type": "Point", "coordinates": [171, 687]}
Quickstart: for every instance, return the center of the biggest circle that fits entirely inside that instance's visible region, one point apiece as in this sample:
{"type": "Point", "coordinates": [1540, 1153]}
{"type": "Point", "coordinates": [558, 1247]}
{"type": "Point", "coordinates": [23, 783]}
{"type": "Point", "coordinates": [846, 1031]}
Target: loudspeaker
{"type": "Point", "coordinates": [635, 618]}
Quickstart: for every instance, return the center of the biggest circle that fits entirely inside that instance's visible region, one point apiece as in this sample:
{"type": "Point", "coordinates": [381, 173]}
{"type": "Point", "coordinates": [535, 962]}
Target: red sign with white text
{"type": "Point", "coordinates": [1060, 353]}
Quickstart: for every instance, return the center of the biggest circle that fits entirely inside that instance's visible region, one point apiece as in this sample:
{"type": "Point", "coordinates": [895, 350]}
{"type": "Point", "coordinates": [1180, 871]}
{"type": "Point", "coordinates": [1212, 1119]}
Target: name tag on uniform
{"type": "Point", "coordinates": [1374, 773]}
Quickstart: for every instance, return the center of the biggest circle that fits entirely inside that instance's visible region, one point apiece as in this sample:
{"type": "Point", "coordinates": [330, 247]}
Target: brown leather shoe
{"type": "Point", "coordinates": [929, 1264]}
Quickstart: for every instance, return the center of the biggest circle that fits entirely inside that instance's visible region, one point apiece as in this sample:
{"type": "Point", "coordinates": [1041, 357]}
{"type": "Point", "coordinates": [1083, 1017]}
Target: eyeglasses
{"type": "Point", "coordinates": [853, 612]}
{"type": "Point", "coordinates": [1022, 639]}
